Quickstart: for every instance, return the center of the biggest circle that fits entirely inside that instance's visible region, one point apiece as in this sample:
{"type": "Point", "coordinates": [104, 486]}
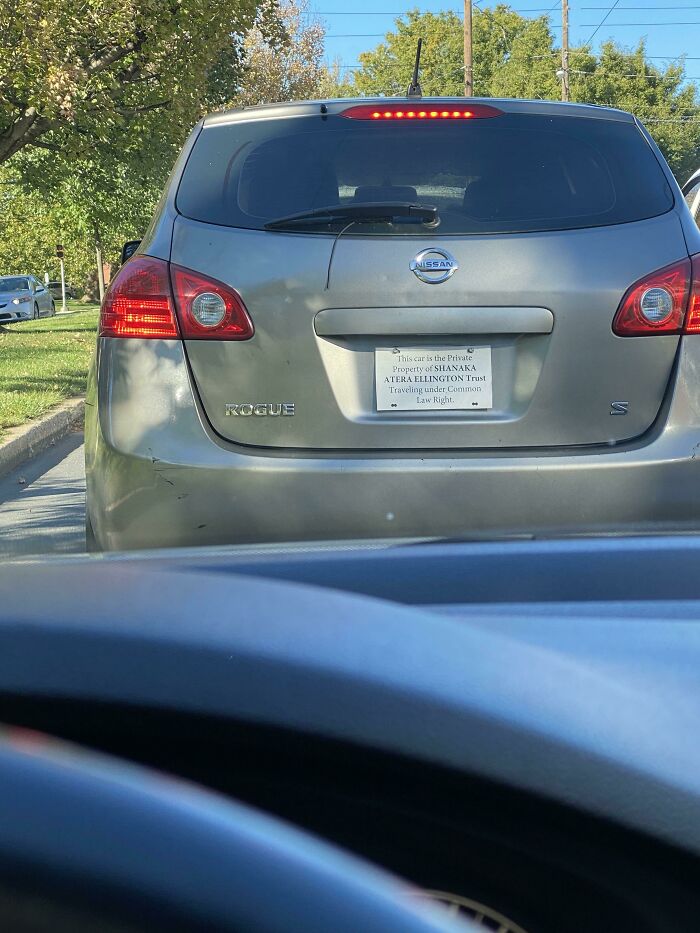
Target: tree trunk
{"type": "Point", "coordinates": [23, 131]}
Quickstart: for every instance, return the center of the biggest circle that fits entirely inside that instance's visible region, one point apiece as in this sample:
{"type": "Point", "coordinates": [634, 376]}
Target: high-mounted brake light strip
{"type": "Point", "coordinates": [396, 112]}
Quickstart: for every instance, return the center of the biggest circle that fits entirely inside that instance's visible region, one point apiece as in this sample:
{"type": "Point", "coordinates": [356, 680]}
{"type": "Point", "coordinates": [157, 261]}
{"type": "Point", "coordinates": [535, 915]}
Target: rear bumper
{"type": "Point", "coordinates": [157, 476]}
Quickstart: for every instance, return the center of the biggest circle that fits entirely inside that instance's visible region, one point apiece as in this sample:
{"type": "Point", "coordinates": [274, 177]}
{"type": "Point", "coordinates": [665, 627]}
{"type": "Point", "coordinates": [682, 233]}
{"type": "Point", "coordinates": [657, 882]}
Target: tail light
{"type": "Point", "coordinates": [397, 113]}
{"type": "Point", "coordinates": [139, 301]}
{"type": "Point", "coordinates": [148, 298]}
{"type": "Point", "coordinates": [207, 309]}
{"type": "Point", "coordinates": [692, 316]}
{"type": "Point", "coordinates": [665, 302]}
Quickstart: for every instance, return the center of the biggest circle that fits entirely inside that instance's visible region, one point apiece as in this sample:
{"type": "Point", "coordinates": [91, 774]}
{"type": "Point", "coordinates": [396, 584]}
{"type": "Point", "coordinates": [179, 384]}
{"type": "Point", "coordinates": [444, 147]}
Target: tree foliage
{"type": "Point", "coordinates": [516, 57]}
{"type": "Point", "coordinates": [75, 73]}
{"type": "Point", "coordinates": [284, 63]}
{"type": "Point", "coordinates": [102, 141]}
{"type": "Point", "coordinates": [35, 223]}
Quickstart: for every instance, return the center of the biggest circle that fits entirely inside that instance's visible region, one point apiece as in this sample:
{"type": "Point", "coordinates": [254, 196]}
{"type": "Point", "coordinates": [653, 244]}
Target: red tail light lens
{"type": "Point", "coordinates": [397, 113]}
{"type": "Point", "coordinates": [692, 317]}
{"type": "Point", "coordinates": [141, 303]}
{"type": "Point", "coordinates": [138, 302]}
{"type": "Point", "coordinates": [208, 309]}
{"type": "Point", "coordinates": [657, 304]}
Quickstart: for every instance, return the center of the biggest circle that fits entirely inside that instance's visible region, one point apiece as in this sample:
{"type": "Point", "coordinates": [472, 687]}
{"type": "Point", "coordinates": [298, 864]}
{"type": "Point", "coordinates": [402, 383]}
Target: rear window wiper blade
{"type": "Point", "coordinates": [360, 213]}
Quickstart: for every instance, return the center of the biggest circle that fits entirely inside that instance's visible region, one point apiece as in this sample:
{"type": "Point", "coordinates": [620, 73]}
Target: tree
{"type": "Point", "coordinates": [32, 238]}
{"type": "Point", "coordinates": [94, 199]}
{"type": "Point", "coordinates": [76, 189]}
{"type": "Point", "coordinates": [37, 222]}
{"type": "Point", "coordinates": [667, 107]}
{"type": "Point", "coordinates": [75, 73]}
{"type": "Point", "coordinates": [388, 68]}
{"type": "Point", "coordinates": [516, 57]}
{"type": "Point", "coordinates": [283, 63]}
{"type": "Point", "coordinates": [528, 69]}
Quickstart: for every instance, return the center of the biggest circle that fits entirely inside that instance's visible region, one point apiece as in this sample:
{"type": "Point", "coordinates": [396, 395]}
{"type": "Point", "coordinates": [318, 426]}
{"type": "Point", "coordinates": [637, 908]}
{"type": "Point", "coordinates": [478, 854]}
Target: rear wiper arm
{"type": "Point", "coordinates": [360, 213]}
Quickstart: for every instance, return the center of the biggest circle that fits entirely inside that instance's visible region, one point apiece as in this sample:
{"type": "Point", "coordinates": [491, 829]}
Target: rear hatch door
{"type": "Point", "coordinates": [545, 221]}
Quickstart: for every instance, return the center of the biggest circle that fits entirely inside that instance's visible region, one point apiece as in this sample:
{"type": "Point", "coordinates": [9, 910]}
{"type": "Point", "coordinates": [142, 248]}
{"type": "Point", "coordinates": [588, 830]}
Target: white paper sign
{"type": "Point", "coordinates": [433, 379]}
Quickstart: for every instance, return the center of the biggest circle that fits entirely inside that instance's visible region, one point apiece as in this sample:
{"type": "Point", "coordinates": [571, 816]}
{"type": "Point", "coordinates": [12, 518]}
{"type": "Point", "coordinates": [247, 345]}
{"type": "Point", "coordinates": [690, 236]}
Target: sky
{"type": "Point", "coordinates": [671, 27]}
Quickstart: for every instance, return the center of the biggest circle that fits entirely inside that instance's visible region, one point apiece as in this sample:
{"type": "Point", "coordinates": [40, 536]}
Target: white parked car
{"type": "Point", "coordinates": [23, 298]}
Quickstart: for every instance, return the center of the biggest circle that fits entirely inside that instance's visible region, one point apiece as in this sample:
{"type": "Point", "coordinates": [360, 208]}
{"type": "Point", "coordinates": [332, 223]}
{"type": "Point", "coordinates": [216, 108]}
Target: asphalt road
{"type": "Point", "coordinates": [42, 504]}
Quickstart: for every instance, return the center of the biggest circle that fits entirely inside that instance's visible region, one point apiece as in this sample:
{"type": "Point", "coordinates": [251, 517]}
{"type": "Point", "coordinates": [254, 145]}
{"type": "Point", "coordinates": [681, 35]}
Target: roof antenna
{"type": "Point", "coordinates": [414, 89]}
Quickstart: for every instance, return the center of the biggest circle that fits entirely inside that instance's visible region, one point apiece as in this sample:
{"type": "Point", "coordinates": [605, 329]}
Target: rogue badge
{"type": "Point", "coordinates": [261, 409]}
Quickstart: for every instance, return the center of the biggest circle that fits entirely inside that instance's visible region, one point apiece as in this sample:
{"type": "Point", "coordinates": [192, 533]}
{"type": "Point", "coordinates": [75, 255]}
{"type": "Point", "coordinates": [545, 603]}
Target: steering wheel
{"type": "Point", "coordinates": [90, 844]}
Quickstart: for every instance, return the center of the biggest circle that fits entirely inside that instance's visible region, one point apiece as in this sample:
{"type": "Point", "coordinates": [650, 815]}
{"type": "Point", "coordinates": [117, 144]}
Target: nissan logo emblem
{"type": "Point", "coordinates": [433, 266]}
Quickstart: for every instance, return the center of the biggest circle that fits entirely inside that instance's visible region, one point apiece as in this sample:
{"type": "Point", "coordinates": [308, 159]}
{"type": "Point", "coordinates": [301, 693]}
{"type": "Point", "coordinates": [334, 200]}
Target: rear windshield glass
{"type": "Point", "coordinates": [512, 173]}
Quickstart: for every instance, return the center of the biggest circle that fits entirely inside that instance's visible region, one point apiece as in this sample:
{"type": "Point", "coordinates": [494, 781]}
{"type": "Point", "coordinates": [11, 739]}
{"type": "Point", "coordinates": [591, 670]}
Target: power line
{"type": "Point", "coordinates": [381, 35]}
{"type": "Point", "coordinates": [630, 74]}
{"type": "Point", "coordinates": [602, 21]}
{"type": "Point", "coordinates": [589, 74]}
{"type": "Point", "coordinates": [645, 8]}
{"type": "Point", "coordinates": [543, 9]}
{"type": "Point", "coordinates": [649, 25]}
{"type": "Point", "coordinates": [665, 58]}
{"type": "Point", "coordinates": [594, 26]}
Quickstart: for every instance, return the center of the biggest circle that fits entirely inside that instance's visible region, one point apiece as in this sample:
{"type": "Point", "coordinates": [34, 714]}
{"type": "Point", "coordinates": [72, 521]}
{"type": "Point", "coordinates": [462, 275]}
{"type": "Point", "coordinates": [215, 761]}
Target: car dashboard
{"type": "Point", "coordinates": [512, 724]}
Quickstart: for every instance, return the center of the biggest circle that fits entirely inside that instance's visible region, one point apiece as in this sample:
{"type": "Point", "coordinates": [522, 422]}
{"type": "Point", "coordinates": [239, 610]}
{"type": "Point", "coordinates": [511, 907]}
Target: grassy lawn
{"type": "Point", "coordinates": [43, 362]}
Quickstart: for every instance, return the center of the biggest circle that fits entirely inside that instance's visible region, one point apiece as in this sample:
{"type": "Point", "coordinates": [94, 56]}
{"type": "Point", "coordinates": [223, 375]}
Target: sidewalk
{"type": "Point", "coordinates": [25, 442]}
{"type": "Point", "coordinates": [42, 503]}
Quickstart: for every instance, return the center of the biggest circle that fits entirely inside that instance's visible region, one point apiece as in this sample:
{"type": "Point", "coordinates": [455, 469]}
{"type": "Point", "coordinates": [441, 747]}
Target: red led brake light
{"type": "Point", "coordinates": [396, 113]}
{"type": "Point", "coordinates": [139, 302]}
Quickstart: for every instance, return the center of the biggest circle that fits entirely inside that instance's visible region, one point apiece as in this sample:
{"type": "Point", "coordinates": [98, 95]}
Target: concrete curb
{"type": "Point", "coordinates": [27, 441]}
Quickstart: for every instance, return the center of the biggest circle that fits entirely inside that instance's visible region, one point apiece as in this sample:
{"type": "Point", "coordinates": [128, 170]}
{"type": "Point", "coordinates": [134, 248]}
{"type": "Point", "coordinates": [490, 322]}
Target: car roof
{"type": "Point", "coordinates": [309, 107]}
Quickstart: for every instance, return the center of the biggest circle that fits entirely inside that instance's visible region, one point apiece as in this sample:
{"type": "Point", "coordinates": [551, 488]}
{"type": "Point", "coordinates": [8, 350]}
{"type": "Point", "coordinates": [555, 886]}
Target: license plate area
{"type": "Point", "coordinates": [433, 379]}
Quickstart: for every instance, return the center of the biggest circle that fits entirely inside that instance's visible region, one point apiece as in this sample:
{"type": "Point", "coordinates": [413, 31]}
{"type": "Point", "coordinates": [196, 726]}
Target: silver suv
{"type": "Point", "coordinates": [402, 317]}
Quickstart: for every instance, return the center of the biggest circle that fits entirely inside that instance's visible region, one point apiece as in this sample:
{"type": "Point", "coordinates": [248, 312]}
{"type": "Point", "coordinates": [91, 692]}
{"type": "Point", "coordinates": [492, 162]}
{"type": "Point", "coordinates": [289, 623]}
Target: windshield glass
{"type": "Point", "coordinates": [252, 295]}
{"type": "Point", "coordinates": [13, 284]}
{"type": "Point", "coordinates": [340, 345]}
{"type": "Point", "coordinates": [512, 173]}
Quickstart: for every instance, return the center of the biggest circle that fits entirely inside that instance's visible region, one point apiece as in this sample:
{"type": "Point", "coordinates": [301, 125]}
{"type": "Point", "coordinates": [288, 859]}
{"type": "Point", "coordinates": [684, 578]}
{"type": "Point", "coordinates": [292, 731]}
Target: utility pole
{"type": "Point", "coordinates": [59, 253]}
{"type": "Point", "coordinates": [468, 64]}
{"type": "Point", "coordinates": [565, 49]}
{"type": "Point", "coordinates": [100, 267]}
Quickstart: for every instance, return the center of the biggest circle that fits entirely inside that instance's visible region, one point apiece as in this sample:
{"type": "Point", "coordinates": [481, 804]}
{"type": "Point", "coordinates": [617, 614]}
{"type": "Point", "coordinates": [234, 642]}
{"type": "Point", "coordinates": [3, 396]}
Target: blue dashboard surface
{"type": "Point", "coordinates": [587, 693]}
